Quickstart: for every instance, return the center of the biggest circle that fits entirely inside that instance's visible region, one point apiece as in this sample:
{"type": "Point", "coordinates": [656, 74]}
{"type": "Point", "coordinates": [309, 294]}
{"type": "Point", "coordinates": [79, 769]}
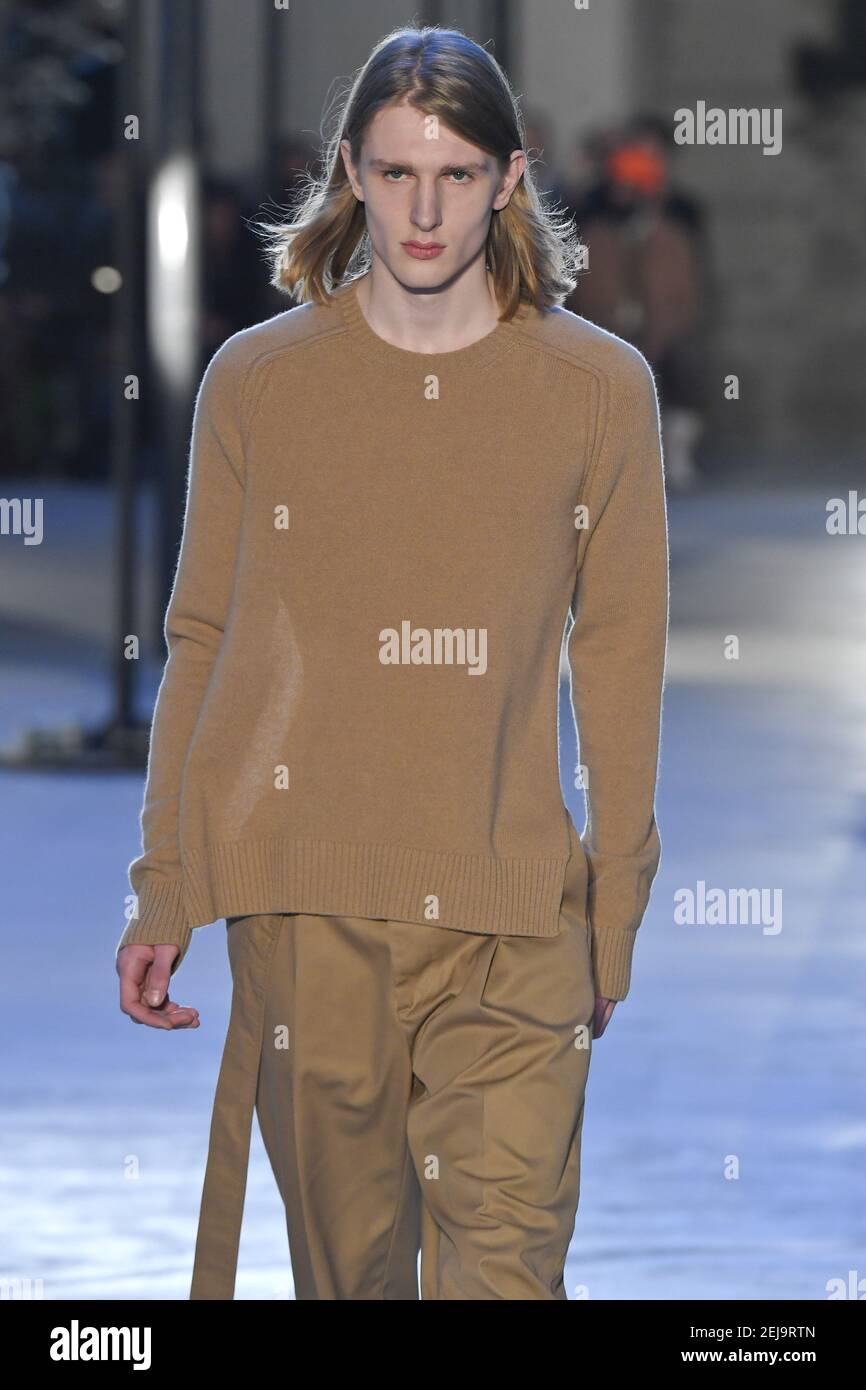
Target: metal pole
{"type": "Point", "coordinates": [127, 341]}
{"type": "Point", "coordinates": [121, 742]}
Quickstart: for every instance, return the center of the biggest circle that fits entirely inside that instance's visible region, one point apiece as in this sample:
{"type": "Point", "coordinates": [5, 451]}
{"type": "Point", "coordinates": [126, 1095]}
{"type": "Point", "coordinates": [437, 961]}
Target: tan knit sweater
{"type": "Point", "coordinates": [381, 552]}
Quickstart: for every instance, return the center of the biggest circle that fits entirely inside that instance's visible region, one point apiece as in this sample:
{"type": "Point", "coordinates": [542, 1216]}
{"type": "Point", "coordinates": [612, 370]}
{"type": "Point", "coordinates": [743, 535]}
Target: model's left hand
{"type": "Point", "coordinates": [601, 1018]}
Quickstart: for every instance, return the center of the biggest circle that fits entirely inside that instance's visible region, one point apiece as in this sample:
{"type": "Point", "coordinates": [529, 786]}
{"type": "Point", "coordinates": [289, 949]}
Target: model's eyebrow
{"type": "Point", "coordinates": [407, 168]}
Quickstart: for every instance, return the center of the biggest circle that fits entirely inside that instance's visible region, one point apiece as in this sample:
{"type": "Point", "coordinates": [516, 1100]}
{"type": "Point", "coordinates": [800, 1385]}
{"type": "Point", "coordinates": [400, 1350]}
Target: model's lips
{"type": "Point", "coordinates": [421, 250]}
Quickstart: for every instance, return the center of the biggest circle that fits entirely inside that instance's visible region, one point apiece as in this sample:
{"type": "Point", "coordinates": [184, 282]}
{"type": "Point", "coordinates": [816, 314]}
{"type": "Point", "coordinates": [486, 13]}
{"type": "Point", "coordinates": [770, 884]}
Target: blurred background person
{"type": "Point", "coordinates": [647, 274]}
{"type": "Point", "coordinates": [233, 292]}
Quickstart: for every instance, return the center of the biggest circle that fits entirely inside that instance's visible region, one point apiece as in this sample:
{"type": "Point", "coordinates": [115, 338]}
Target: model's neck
{"type": "Point", "coordinates": [436, 321]}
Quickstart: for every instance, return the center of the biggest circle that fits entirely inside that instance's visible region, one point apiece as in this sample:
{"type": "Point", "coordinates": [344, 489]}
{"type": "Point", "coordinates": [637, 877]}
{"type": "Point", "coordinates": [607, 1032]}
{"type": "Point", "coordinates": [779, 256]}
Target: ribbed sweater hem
{"type": "Point", "coordinates": [520, 897]}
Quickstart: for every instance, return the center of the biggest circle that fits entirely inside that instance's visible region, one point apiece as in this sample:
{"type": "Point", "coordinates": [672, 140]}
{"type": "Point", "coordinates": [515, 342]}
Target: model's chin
{"type": "Point", "coordinates": [423, 276]}
{"type": "Point", "coordinates": [430, 276]}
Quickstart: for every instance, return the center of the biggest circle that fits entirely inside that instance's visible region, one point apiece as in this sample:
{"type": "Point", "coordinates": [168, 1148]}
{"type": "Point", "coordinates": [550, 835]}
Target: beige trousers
{"type": "Point", "coordinates": [417, 1087]}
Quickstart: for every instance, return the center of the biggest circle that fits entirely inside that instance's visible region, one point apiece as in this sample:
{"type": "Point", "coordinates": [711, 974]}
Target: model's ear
{"type": "Point", "coordinates": [510, 179]}
{"type": "Point", "coordinates": [351, 172]}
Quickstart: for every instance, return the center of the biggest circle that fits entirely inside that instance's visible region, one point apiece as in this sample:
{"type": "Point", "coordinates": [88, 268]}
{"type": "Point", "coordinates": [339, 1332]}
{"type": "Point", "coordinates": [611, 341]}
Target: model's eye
{"type": "Point", "coordinates": [461, 175]}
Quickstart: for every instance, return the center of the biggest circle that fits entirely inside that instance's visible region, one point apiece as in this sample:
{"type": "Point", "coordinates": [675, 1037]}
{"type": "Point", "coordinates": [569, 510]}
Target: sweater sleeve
{"type": "Point", "coordinates": [193, 627]}
{"type": "Point", "coordinates": [617, 649]}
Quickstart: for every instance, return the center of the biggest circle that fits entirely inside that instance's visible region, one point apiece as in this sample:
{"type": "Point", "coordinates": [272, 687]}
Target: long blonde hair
{"type": "Point", "coordinates": [532, 249]}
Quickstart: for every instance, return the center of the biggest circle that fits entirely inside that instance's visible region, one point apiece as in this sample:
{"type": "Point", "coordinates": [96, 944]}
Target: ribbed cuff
{"type": "Point", "coordinates": [612, 953]}
{"type": "Point", "coordinates": [161, 920]}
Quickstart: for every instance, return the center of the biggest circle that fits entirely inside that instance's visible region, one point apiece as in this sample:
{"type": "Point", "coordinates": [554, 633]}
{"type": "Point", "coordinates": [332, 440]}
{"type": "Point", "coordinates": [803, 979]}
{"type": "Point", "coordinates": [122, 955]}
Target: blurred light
{"type": "Point", "coordinates": [173, 255]}
{"type": "Point", "coordinates": [107, 279]}
{"type": "Point", "coordinates": [172, 229]}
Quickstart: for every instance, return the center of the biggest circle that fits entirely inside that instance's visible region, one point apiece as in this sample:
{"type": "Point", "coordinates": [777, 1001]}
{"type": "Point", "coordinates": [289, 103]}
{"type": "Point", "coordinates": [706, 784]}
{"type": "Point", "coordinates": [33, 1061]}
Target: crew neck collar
{"type": "Point", "coordinates": [478, 354]}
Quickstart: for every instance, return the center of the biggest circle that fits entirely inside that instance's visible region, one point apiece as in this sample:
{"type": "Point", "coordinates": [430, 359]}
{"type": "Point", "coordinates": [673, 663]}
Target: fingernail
{"type": "Point", "coordinates": [153, 996]}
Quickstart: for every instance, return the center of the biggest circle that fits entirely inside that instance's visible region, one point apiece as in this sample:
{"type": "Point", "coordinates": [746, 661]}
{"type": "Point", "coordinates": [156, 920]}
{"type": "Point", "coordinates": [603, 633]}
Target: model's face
{"type": "Point", "coordinates": [424, 186]}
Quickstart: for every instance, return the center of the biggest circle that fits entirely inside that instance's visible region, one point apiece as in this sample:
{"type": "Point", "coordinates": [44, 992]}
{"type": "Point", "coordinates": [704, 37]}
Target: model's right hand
{"type": "Point", "coordinates": [144, 973]}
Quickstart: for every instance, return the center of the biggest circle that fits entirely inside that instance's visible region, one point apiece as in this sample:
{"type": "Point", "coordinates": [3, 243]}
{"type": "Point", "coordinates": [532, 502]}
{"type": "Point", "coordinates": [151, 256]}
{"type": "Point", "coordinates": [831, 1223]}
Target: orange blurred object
{"type": "Point", "coordinates": [637, 167]}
